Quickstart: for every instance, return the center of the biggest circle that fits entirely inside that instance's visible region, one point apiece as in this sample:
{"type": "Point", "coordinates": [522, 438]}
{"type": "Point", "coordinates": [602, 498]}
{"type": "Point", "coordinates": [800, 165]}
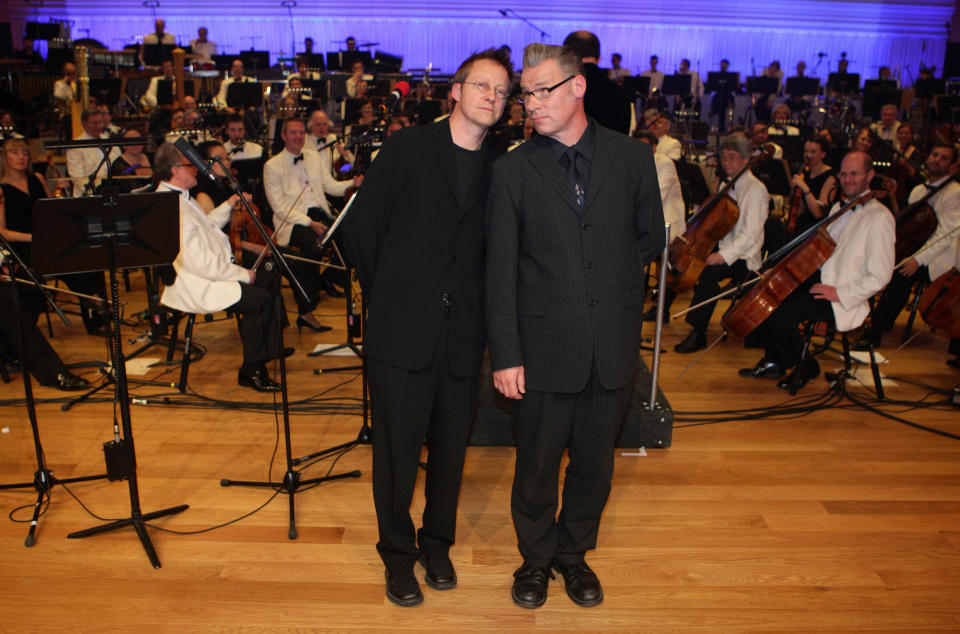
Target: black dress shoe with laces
{"type": "Point", "coordinates": [808, 371]}
{"type": "Point", "coordinates": [440, 573]}
{"type": "Point", "coordinates": [258, 380]}
{"type": "Point", "coordinates": [694, 341]}
{"type": "Point", "coordinates": [530, 586]}
{"type": "Point", "coordinates": [403, 589]}
{"type": "Point", "coordinates": [583, 586]}
{"type": "Point", "coordinates": [763, 370]}
{"type": "Point", "coordinates": [68, 382]}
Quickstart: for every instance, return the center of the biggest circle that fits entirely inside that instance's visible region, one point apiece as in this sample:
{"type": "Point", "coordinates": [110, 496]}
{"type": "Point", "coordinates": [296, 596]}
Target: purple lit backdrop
{"type": "Point", "coordinates": [902, 34]}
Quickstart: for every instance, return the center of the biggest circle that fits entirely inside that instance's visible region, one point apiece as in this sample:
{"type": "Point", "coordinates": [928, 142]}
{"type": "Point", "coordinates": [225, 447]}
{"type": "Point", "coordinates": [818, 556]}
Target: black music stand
{"type": "Point", "coordinates": [844, 83]}
{"type": "Point", "coordinates": [722, 82]}
{"type": "Point", "coordinates": [763, 85]}
{"type": "Point", "coordinates": [678, 85]}
{"type": "Point", "coordinates": [927, 88]}
{"type": "Point", "coordinates": [637, 85]}
{"type": "Point", "coordinates": [43, 478]}
{"type": "Point", "coordinates": [157, 54]}
{"type": "Point", "coordinates": [387, 62]}
{"type": "Point", "coordinates": [106, 90]}
{"type": "Point", "coordinates": [802, 86]}
{"type": "Point", "coordinates": [257, 60]}
{"type": "Point", "coordinates": [773, 174]}
{"type": "Point", "coordinates": [111, 232]}
{"type": "Point", "coordinates": [165, 92]}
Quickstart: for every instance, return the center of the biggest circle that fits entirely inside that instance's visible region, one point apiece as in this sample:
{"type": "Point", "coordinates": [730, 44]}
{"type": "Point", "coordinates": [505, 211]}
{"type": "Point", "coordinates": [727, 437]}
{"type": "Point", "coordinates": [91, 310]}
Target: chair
{"type": "Point", "coordinates": [809, 330]}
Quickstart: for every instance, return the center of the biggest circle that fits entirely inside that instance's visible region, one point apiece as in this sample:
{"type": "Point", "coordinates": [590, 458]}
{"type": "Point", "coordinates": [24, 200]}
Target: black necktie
{"type": "Point", "coordinates": [297, 158]}
{"type": "Point", "coordinates": [573, 174]}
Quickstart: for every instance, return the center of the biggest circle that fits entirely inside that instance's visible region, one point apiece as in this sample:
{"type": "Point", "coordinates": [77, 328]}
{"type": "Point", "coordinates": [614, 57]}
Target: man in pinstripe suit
{"type": "Point", "coordinates": [574, 217]}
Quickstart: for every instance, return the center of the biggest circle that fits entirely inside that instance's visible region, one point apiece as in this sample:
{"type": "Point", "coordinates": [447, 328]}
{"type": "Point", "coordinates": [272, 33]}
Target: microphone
{"type": "Point", "coordinates": [503, 12]}
{"type": "Point", "coordinates": [190, 153]}
{"type": "Point", "coordinates": [400, 90]}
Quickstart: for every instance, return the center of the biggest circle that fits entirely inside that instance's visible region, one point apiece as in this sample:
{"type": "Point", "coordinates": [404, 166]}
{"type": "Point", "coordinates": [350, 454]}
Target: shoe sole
{"type": "Point", "coordinates": [586, 604]}
{"type": "Point", "coordinates": [433, 584]}
{"type": "Point", "coordinates": [530, 605]}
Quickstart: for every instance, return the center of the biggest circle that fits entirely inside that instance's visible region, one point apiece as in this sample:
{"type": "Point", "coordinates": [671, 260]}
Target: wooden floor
{"type": "Point", "coordinates": [839, 519]}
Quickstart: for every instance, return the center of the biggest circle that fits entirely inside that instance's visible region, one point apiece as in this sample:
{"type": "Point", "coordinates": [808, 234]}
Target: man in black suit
{"type": "Point", "coordinates": [606, 101]}
{"type": "Point", "coordinates": [416, 237]}
{"type": "Point", "coordinates": [575, 216]}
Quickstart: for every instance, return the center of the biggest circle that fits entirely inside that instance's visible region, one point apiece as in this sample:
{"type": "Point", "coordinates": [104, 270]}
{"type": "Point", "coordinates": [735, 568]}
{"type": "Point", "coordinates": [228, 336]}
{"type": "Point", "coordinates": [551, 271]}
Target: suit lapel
{"type": "Point", "coordinates": [602, 156]}
{"type": "Point", "coordinates": [542, 159]}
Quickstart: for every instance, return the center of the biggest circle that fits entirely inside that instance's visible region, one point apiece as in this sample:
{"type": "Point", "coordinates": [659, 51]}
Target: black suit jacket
{"type": "Point", "coordinates": [605, 100]}
{"type": "Point", "coordinates": [565, 285]}
{"type": "Point", "coordinates": [412, 243]}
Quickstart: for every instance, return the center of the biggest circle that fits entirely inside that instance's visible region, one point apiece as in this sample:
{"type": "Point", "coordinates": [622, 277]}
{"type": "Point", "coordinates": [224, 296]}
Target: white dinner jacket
{"type": "Point", "coordinates": [942, 255]}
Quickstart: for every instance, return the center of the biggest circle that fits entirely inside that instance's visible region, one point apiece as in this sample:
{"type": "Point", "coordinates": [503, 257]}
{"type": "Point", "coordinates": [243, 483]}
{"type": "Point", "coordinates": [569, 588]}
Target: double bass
{"type": "Point", "coordinates": [713, 221]}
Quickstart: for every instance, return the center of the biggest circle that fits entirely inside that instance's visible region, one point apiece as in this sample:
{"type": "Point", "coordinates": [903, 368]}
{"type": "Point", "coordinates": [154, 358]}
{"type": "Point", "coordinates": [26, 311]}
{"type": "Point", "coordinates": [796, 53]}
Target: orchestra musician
{"type": "Point", "coordinates": [659, 123]}
{"type": "Point", "coordinates": [938, 254]}
{"type": "Point", "coordinates": [656, 76]}
{"type": "Point", "coordinates": [110, 129]}
{"type": "Point", "coordinates": [21, 188]}
{"type": "Point", "coordinates": [737, 254]}
{"type": "Point", "coordinates": [817, 182]}
{"type": "Point", "coordinates": [674, 211]}
{"type": "Point", "coordinates": [236, 76]}
{"type": "Point", "coordinates": [84, 162]}
{"type": "Point", "coordinates": [65, 88]}
{"type": "Point", "coordinates": [886, 127]}
{"type": "Point", "coordinates": [691, 101]}
{"type": "Point", "coordinates": [617, 73]}
{"type": "Point", "coordinates": [149, 99]}
{"type": "Point", "coordinates": [319, 135]}
{"type": "Point", "coordinates": [760, 138]}
{"type": "Point", "coordinates": [859, 267]}
{"type": "Point", "coordinates": [132, 160]}
{"type": "Point", "coordinates": [202, 48]}
{"type": "Point", "coordinates": [208, 281]}
{"type": "Point", "coordinates": [779, 125]}
{"type": "Point", "coordinates": [237, 146]}
{"type": "Point", "coordinates": [416, 237]}
{"type": "Point", "coordinates": [606, 101]}
{"type": "Point", "coordinates": [357, 78]}
{"type": "Point", "coordinates": [301, 219]}
{"type": "Point", "coordinates": [159, 36]}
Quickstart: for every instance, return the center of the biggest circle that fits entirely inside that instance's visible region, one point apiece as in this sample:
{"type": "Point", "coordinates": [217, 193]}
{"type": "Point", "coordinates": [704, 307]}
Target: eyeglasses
{"type": "Point", "coordinates": [186, 165]}
{"type": "Point", "coordinates": [541, 93]}
{"type": "Point", "coordinates": [483, 88]}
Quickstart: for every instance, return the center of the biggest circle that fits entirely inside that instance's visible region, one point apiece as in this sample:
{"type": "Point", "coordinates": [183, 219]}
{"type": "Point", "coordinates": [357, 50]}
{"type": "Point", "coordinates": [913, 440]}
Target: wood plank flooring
{"type": "Point", "coordinates": [837, 520]}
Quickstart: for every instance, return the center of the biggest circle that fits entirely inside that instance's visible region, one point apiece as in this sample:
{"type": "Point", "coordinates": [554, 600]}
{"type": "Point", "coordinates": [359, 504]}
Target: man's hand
{"type": "Point", "coordinates": [510, 382]}
{"type": "Point", "coordinates": [318, 227]}
{"type": "Point", "coordinates": [825, 291]}
{"type": "Point", "coordinates": [910, 267]}
{"type": "Point", "coordinates": [714, 258]}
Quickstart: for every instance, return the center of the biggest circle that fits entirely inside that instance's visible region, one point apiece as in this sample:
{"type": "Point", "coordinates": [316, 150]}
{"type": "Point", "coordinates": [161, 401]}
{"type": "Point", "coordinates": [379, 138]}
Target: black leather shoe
{"type": "Point", "coordinates": [864, 342]}
{"type": "Point", "coordinates": [808, 371]}
{"type": "Point", "coordinates": [440, 573]}
{"type": "Point", "coordinates": [258, 380]}
{"type": "Point", "coordinates": [303, 323]}
{"type": "Point", "coordinates": [288, 351]}
{"type": "Point", "coordinates": [330, 289]}
{"type": "Point", "coordinates": [583, 587]}
{"type": "Point", "coordinates": [651, 314]}
{"type": "Point", "coordinates": [763, 370]}
{"type": "Point", "coordinates": [530, 586]}
{"type": "Point", "coordinates": [694, 341]}
{"type": "Point", "coordinates": [403, 589]}
{"type": "Point", "coordinates": [68, 381]}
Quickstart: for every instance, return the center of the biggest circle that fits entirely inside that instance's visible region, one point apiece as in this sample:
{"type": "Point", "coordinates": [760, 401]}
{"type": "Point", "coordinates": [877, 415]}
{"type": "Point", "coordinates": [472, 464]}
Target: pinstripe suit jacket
{"type": "Point", "coordinates": [565, 285]}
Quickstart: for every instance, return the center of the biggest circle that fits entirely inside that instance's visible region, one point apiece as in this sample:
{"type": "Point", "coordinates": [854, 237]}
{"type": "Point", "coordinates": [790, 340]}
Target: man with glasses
{"type": "Point", "coordinates": [574, 217]}
{"type": "Point", "coordinates": [415, 234]}
{"type": "Point", "coordinates": [208, 280]}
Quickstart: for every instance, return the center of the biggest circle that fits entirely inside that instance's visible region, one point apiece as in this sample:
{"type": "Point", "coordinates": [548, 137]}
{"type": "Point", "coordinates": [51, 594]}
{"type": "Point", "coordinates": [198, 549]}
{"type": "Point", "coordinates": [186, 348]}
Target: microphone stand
{"type": "Point", "coordinates": [43, 478]}
{"type": "Point", "coordinates": [544, 36]}
{"type": "Point", "coordinates": [291, 481]}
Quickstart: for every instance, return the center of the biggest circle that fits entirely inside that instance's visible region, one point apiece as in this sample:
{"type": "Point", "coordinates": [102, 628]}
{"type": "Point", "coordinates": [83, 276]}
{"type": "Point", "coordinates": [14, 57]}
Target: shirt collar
{"type": "Point", "coordinates": [183, 192]}
{"type": "Point", "coordinates": [584, 145]}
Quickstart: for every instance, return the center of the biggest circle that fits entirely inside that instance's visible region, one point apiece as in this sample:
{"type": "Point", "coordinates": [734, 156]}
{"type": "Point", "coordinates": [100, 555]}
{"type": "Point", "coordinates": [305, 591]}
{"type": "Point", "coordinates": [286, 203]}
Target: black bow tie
{"type": "Point", "coordinates": [297, 158]}
{"type": "Point", "coordinates": [930, 187]}
{"type": "Point", "coordinates": [239, 148]}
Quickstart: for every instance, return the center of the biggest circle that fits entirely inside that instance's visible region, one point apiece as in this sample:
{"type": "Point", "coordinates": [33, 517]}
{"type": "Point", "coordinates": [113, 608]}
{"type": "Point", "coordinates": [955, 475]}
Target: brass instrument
{"type": "Point", "coordinates": [82, 98]}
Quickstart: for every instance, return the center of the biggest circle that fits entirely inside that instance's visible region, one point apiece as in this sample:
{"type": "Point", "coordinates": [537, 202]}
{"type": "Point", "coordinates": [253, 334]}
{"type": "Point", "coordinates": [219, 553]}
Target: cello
{"type": "Point", "coordinates": [713, 221]}
{"type": "Point", "coordinates": [940, 304]}
{"type": "Point", "coordinates": [917, 222]}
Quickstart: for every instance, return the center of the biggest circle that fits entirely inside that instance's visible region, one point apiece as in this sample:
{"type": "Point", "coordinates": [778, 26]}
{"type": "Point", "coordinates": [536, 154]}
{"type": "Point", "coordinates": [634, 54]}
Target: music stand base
{"type": "Point", "coordinates": [138, 524]}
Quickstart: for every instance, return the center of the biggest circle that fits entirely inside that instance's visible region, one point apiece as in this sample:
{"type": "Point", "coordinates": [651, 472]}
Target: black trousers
{"type": "Point", "coordinates": [94, 314]}
{"type": "Point", "coordinates": [779, 335]}
{"type": "Point", "coordinates": [305, 240]}
{"type": "Point", "coordinates": [409, 408]}
{"type": "Point", "coordinates": [544, 424]}
{"type": "Point", "coordinates": [894, 298]}
{"type": "Point", "coordinates": [708, 285]}
{"type": "Point", "coordinates": [40, 357]}
{"type": "Point", "coordinates": [259, 321]}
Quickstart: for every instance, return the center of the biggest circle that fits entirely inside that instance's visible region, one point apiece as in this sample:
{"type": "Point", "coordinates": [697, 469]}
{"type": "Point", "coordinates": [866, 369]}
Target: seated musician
{"type": "Point", "coordinates": [905, 165]}
{"type": "Point", "coordinates": [357, 79]}
{"type": "Point", "coordinates": [132, 161]}
{"type": "Point", "coordinates": [20, 188]}
{"type": "Point", "coordinates": [691, 101]}
{"type": "Point", "coordinates": [296, 182]}
{"type": "Point", "coordinates": [304, 71]}
{"type": "Point", "coordinates": [157, 37]}
{"type": "Point", "coordinates": [738, 253]}
{"type": "Point", "coordinates": [760, 137]}
{"type": "Point", "coordinates": [886, 127]}
{"type": "Point", "coordinates": [319, 134]}
{"type": "Point", "coordinates": [28, 53]}
{"type": "Point", "coordinates": [188, 125]}
{"type": "Point", "coordinates": [149, 99]}
{"type": "Point", "coordinates": [929, 262]}
{"type": "Point", "coordinates": [656, 77]}
{"type": "Point", "coordinates": [237, 146]}
{"type": "Point", "coordinates": [674, 212]}
{"type": "Point", "coordinates": [236, 77]}
{"type": "Point", "coordinates": [8, 126]}
{"type": "Point", "coordinates": [289, 109]}
{"type": "Point", "coordinates": [779, 125]}
{"type": "Point", "coordinates": [617, 73]}
{"type": "Point", "coordinates": [860, 265]}
{"type": "Point", "coordinates": [82, 163]}
{"type": "Point", "coordinates": [110, 129]}
{"type": "Point", "coordinates": [659, 123]}
{"type": "Point", "coordinates": [203, 49]}
{"type": "Point", "coordinates": [208, 281]}
{"type": "Point", "coordinates": [65, 88]}
{"type": "Point", "coordinates": [863, 142]}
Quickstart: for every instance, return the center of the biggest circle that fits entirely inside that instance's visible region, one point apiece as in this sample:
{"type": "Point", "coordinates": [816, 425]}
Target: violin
{"type": "Point", "coordinates": [796, 205]}
{"type": "Point", "coordinates": [713, 221]}
{"type": "Point", "coordinates": [940, 304]}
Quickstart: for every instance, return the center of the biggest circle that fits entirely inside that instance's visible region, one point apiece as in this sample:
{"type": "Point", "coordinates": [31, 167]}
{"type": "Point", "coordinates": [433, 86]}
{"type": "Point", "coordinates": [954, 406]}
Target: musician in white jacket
{"type": "Point", "coordinates": [859, 267]}
{"type": "Point", "coordinates": [208, 280]}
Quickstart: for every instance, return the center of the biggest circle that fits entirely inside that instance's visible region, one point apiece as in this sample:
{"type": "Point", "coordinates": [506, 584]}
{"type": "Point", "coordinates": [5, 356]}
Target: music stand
{"type": "Point", "coordinates": [248, 94]}
{"type": "Point", "coordinates": [722, 82]}
{"type": "Point", "coordinates": [387, 63]}
{"type": "Point", "coordinates": [948, 109]}
{"type": "Point", "coordinates": [248, 169]}
{"type": "Point", "coordinates": [111, 232]}
{"type": "Point", "coordinates": [637, 85]}
{"type": "Point", "coordinates": [877, 95]}
{"type": "Point", "coordinates": [107, 90]}
{"type": "Point", "coordinates": [678, 85]}
{"type": "Point", "coordinates": [255, 59]}
{"type": "Point", "coordinates": [801, 86]}
{"type": "Point", "coordinates": [313, 60]}
{"type": "Point", "coordinates": [42, 30]}
{"type": "Point", "coordinates": [166, 94]}
{"type": "Point", "coordinates": [157, 54]}
{"type": "Point", "coordinates": [774, 174]}
{"type": "Point", "coordinates": [844, 83]}
{"type": "Point", "coordinates": [763, 85]}
{"type": "Point", "coordinates": [927, 88]}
